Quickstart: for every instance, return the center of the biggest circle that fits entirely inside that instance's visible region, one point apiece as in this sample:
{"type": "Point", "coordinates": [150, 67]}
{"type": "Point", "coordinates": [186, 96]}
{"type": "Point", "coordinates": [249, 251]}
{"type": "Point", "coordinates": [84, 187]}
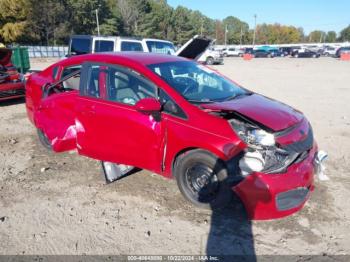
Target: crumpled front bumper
{"type": "Point", "coordinates": [270, 196]}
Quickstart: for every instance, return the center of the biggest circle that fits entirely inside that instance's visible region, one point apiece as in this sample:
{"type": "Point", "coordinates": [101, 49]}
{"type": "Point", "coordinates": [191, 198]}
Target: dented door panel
{"type": "Point", "coordinates": [56, 118]}
{"type": "Point", "coordinates": [118, 133]}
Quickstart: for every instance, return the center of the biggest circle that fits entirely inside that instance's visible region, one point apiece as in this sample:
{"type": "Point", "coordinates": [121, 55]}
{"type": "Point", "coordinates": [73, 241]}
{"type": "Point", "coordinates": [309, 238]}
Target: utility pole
{"type": "Point", "coordinates": [254, 30]}
{"type": "Point", "coordinates": [226, 35]}
{"type": "Point", "coordinates": [98, 25]}
{"type": "Point", "coordinates": [202, 28]}
{"type": "Point", "coordinates": [240, 39]}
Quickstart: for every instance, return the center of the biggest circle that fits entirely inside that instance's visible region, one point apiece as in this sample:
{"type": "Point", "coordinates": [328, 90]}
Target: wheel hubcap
{"type": "Point", "coordinates": [203, 182]}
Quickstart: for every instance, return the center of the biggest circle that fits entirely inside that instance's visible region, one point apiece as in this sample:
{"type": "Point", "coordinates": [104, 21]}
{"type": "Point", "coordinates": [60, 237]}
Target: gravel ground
{"type": "Point", "coordinates": [59, 203]}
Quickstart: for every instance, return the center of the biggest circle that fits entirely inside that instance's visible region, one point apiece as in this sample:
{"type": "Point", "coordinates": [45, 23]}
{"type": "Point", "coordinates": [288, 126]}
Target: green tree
{"type": "Point", "coordinates": [331, 37]}
{"type": "Point", "coordinates": [13, 20]}
{"type": "Point", "coordinates": [182, 25]}
{"type": "Point", "coordinates": [316, 36]}
{"type": "Point", "coordinates": [236, 30]}
{"type": "Point", "coordinates": [278, 34]}
{"type": "Point", "coordinates": [345, 34]}
{"type": "Point", "coordinates": [82, 15]}
{"type": "Point", "coordinates": [157, 22]}
{"type": "Point", "coordinates": [46, 21]}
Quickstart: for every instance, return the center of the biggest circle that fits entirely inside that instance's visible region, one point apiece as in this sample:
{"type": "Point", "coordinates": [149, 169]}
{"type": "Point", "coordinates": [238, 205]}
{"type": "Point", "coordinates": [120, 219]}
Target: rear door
{"type": "Point", "coordinates": [55, 116]}
{"type": "Point", "coordinates": [109, 127]}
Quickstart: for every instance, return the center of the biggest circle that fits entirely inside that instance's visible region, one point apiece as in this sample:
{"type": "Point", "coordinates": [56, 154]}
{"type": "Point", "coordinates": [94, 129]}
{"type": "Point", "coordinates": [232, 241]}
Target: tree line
{"type": "Point", "coordinates": [51, 22]}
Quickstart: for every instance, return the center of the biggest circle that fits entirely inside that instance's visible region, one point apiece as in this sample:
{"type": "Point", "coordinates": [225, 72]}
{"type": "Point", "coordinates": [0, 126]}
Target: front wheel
{"type": "Point", "coordinates": [202, 179]}
{"type": "Point", "coordinates": [210, 61]}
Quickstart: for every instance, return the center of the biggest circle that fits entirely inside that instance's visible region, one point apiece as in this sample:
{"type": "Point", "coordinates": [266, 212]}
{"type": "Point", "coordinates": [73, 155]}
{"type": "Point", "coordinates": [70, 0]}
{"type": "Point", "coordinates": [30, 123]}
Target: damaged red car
{"type": "Point", "coordinates": [182, 120]}
{"type": "Point", "coordinates": [11, 81]}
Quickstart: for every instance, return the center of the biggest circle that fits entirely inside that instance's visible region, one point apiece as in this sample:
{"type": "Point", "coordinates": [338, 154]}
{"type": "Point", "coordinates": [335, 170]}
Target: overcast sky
{"type": "Point", "coordinates": [309, 14]}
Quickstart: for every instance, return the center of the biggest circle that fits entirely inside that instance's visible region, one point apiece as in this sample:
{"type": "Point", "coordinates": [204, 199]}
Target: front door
{"type": "Point", "coordinates": [109, 127]}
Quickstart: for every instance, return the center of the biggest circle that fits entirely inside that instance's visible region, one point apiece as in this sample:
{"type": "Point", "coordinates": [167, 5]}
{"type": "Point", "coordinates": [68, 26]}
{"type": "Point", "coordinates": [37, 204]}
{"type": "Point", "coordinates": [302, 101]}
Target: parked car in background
{"type": "Point", "coordinates": [329, 51]}
{"type": "Point", "coordinates": [342, 50]}
{"type": "Point", "coordinates": [11, 81]}
{"type": "Point", "coordinates": [286, 50]}
{"type": "Point", "coordinates": [305, 53]}
{"type": "Point", "coordinates": [211, 57]}
{"type": "Point", "coordinates": [261, 53]}
{"type": "Point", "coordinates": [182, 120]}
{"type": "Point", "coordinates": [233, 51]}
{"type": "Point", "coordinates": [277, 53]}
{"type": "Point", "coordinates": [248, 50]}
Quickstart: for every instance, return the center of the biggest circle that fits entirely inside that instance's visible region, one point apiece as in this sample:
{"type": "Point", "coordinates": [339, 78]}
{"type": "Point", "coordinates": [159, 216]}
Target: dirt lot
{"type": "Point", "coordinates": [59, 203]}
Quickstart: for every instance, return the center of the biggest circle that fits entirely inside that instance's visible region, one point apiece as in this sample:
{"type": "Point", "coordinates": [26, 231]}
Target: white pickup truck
{"type": "Point", "coordinates": [196, 48]}
{"type": "Point", "coordinates": [84, 44]}
{"type": "Point", "coordinates": [233, 51]}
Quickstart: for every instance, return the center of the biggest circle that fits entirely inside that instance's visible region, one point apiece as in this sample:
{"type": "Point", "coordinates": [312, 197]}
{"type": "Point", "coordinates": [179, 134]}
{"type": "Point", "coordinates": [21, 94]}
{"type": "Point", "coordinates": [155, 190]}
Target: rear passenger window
{"type": "Point", "coordinates": [72, 82]}
{"type": "Point", "coordinates": [131, 46]}
{"type": "Point", "coordinates": [127, 87]}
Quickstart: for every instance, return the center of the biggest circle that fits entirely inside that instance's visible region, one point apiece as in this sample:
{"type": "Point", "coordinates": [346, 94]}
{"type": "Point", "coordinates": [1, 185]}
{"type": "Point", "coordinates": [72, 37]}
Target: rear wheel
{"type": "Point", "coordinates": [44, 140]}
{"type": "Point", "coordinates": [210, 61]}
{"type": "Point", "coordinates": [202, 179]}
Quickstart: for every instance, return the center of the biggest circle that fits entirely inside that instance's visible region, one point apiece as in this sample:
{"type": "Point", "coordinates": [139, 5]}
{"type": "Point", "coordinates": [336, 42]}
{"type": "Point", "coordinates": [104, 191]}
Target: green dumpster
{"type": "Point", "coordinates": [20, 59]}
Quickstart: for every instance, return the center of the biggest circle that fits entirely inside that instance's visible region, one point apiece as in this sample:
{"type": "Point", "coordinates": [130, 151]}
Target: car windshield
{"type": "Point", "coordinates": [197, 83]}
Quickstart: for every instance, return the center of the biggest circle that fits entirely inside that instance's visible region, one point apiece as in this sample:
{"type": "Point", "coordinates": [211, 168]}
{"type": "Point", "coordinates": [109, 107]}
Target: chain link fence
{"type": "Point", "coordinates": [47, 51]}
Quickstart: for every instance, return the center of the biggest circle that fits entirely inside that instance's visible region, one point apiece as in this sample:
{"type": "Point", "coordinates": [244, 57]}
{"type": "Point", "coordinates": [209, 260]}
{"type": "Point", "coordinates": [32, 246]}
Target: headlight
{"type": "Point", "coordinates": [261, 137]}
{"type": "Point", "coordinates": [253, 135]}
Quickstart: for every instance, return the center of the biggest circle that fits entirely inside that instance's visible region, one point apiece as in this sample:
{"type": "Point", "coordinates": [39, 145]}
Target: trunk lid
{"type": "Point", "coordinates": [194, 47]}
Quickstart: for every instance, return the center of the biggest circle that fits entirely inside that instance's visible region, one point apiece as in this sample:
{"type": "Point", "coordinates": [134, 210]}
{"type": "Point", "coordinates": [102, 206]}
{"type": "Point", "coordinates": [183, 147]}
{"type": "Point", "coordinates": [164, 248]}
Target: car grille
{"type": "Point", "coordinates": [291, 199]}
{"type": "Point", "coordinates": [277, 161]}
{"type": "Point", "coordinates": [9, 93]}
{"type": "Point", "coordinates": [301, 146]}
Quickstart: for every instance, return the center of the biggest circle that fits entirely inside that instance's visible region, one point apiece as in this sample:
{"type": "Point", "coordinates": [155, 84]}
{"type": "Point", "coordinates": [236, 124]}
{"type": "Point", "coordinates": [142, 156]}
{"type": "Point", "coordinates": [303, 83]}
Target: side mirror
{"type": "Point", "coordinates": [148, 106]}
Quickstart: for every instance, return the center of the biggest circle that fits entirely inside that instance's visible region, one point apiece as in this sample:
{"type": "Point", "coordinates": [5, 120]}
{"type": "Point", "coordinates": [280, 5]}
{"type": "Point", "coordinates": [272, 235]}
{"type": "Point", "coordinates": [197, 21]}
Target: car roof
{"type": "Point", "coordinates": [143, 58]}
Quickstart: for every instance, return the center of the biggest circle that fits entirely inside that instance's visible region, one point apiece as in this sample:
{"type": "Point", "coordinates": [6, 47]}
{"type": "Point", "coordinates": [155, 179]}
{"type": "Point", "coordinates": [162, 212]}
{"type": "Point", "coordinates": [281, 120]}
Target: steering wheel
{"type": "Point", "coordinates": [129, 100]}
{"type": "Point", "coordinates": [187, 83]}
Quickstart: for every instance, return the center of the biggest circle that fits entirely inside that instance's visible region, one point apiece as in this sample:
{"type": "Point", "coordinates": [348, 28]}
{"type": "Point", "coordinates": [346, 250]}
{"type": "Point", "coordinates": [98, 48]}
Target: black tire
{"type": "Point", "coordinates": [44, 140]}
{"type": "Point", "coordinates": [209, 61]}
{"type": "Point", "coordinates": [202, 179]}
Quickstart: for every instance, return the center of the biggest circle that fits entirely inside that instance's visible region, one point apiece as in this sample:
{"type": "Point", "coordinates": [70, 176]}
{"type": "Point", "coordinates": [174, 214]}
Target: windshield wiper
{"type": "Point", "coordinates": [201, 101]}
{"type": "Point", "coordinates": [237, 96]}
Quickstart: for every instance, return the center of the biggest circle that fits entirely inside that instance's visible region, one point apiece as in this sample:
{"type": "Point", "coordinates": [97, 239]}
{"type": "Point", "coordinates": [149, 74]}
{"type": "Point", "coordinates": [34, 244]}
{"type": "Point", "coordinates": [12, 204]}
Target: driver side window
{"type": "Point", "coordinates": [127, 86]}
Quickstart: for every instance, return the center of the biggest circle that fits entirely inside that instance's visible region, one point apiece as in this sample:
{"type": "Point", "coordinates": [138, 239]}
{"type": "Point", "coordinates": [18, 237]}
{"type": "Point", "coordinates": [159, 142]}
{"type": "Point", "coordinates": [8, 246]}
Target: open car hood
{"type": "Point", "coordinates": [268, 112]}
{"type": "Point", "coordinates": [194, 47]}
{"type": "Point", "coordinates": [5, 56]}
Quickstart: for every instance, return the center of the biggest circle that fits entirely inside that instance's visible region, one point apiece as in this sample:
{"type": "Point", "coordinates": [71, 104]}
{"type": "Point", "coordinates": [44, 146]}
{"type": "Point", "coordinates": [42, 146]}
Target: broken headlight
{"type": "Point", "coordinates": [253, 135]}
{"type": "Point", "coordinates": [262, 154]}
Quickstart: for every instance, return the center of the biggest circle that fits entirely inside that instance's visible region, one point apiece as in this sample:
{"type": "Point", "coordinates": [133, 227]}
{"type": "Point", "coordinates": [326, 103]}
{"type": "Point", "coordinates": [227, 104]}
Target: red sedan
{"type": "Point", "coordinates": [11, 82]}
{"type": "Point", "coordinates": [179, 119]}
